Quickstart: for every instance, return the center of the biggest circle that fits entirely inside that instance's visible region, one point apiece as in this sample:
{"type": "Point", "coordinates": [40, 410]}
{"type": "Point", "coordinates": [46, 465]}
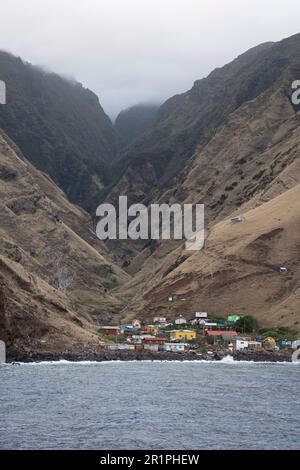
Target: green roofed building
{"type": "Point", "coordinates": [233, 318]}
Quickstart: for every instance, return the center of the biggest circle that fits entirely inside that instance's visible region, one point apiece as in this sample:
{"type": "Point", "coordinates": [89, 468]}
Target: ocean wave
{"type": "Point", "coordinates": [228, 360]}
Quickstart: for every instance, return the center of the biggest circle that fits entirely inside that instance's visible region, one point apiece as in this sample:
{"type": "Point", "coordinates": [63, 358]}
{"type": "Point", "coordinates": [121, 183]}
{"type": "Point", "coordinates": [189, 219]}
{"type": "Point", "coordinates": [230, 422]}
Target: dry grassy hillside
{"type": "Point", "coordinates": [238, 270]}
{"type": "Point", "coordinates": [36, 317]}
{"type": "Point", "coordinates": [251, 160]}
{"type": "Point", "coordinates": [51, 276]}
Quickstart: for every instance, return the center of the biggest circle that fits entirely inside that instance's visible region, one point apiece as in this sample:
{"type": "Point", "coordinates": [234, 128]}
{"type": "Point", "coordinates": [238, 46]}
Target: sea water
{"type": "Point", "coordinates": [150, 405]}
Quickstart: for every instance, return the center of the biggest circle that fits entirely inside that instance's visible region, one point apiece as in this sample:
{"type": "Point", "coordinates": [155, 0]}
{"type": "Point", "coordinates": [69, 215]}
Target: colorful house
{"type": "Point", "coordinates": [182, 335]}
{"type": "Point", "coordinates": [127, 329]}
{"type": "Point", "coordinates": [233, 318]}
{"type": "Point", "coordinates": [227, 333]}
{"type": "Point", "coordinates": [284, 343]}
{"type": "Point", "coordinates": [210, 325]}
{"type": "Point", "coordinates": [109, 330]}
{"type": "Point", "coordinates": [150, 329]}
{"type": "Point", "coordinates": [153, 344]}
{"type": "Point", "coordinates": [154, 340]}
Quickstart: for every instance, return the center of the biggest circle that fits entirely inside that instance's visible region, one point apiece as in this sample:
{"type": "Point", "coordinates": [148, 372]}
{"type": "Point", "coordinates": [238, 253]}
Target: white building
{"type": "Point", "coordinates": [180, 320]}
{"type": "Point", "coordinates": [151, 347]}
{"type": "Point", "coordinates": [174, 347]}
{"type": "Point", "coordinates": [201, 315]}
{"type": "Point", "coordinates": [160, 320]}
{"type": "Point", "coordinates": [119, 347]}
{"type": "Point", "coordinates": [240, 344]}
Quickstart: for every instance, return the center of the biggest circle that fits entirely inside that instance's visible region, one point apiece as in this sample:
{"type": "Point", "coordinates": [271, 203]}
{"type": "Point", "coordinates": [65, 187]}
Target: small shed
{"type": "Point", "coordinates": [237, 219]}
{"type": "Point", "coordinates": [283, 270]}
{"type": "Point", "coordinates": [239, 344]}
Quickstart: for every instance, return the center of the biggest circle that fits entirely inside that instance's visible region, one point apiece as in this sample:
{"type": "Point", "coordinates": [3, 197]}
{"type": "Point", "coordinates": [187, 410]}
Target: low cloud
{"type": "Point", "coordinates": [140, 51]}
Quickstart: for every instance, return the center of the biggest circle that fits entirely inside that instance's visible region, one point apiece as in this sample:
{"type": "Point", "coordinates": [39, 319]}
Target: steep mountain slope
{"type": "Point", "coordinates": [249, 165]}
{"type": "Point", "coordinates": [132, 122]}
{"type": "Point", "coordinates": [187, 122]}
{"type": "Point", "coordinates": [237, 272]}
{"type": "Point", "coordinates": [235, 126]}
{"type": "Point", "coordinates": [255, 145]}
{"type": "Point", "coordinates": [35, 317]}
{"type": "Point", "coordinates": [60, 127]}
{"type": "Point", "coordinates": [53, 275]}
{"type": "Point", "coordinates": [231, 143]}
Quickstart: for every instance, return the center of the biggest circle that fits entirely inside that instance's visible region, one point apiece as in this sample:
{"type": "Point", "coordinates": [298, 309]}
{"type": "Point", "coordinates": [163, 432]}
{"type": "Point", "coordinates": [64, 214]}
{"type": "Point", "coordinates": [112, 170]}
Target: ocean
{"type": "Point", "coordinates": [150, 405]}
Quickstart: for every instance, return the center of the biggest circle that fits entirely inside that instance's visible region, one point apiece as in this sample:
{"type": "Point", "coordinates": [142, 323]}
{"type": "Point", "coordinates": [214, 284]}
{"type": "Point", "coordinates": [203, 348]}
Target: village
{"type": "Point", "coordinates": [196, 334]}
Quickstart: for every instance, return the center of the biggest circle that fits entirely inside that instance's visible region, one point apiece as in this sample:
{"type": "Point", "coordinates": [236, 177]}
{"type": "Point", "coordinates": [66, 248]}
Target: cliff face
{"type": "Point", "coordinates": [54, 274]}
{"type": "Point", "coordinates": [186, 123]}
{"type": "Point", "coordinates": [134, 121]}
{"type": "Point", "coordinates": [60, 127]}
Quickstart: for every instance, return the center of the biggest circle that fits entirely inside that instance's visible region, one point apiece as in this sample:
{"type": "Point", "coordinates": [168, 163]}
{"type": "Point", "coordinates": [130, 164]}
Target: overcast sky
{"type": "Point", "coordinates": [131, 51]}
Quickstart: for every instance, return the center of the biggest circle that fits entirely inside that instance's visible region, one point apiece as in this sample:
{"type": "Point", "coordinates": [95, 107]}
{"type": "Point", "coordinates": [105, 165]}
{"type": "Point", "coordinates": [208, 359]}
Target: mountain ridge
{"type": "Point", "coordinates": [60, 127]}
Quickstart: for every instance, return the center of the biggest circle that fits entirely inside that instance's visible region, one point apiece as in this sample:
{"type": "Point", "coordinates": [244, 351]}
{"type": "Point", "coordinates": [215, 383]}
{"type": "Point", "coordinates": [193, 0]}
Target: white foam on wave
{"type": "Point", "coordinates": [228, 360]}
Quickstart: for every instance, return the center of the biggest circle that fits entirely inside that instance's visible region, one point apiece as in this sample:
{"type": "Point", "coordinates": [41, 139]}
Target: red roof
{"type": "Point", "coordinates": [154, 340]}
{"type": "Point", "coordinates": [222, 332]}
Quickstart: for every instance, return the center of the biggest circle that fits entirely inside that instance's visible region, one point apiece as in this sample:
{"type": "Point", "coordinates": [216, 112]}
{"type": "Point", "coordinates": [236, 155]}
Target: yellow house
{"type": "Point", "coordinates": [183, 335]}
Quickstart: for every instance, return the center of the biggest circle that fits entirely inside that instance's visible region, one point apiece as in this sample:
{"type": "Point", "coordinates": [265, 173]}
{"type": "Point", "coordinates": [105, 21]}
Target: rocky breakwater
{"type": "Point", "coordinates": [102, 355]}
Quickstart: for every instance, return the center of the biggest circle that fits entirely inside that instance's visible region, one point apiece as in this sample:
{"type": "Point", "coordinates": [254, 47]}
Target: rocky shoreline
{"type": "Point", "coordinates": [105, 356]}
